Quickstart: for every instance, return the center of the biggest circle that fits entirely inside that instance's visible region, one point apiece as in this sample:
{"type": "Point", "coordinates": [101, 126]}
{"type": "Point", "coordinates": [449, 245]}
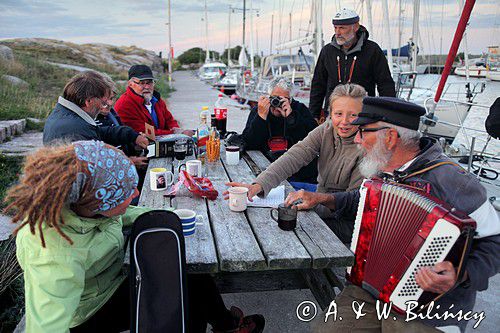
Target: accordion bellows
{"type": "Point", "coordinates": [399, 229]}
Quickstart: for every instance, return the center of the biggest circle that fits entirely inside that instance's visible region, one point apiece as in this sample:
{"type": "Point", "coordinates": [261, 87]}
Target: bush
{"type": "Point", "coordinates": [11, 168]}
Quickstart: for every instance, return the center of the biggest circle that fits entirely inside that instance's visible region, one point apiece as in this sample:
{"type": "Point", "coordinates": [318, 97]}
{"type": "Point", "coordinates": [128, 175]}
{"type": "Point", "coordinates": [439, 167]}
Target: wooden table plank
{"type": "Point", "coordinates": [282, 249]}
{"type": "Point", "coordinates": [237, 247]}
{"type": "Point", "coordinates": [319, 240]}
{"type": "Point", "coordinates": [201, 255]}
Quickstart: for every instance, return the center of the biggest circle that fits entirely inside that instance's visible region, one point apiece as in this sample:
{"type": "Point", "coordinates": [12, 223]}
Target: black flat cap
{"type": "Point", "coordinates": [390, 110]}
{"type": "Point", "coordinates": [142, 72]}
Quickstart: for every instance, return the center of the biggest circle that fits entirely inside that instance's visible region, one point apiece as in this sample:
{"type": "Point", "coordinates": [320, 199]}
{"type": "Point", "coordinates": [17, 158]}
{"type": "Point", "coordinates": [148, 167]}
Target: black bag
{"type": "Point", "coordinates": [235, 139]}
{"type": "Point", "coordinates": [158, 274]}
{"type": "Point", "coordinates": [493, 120]}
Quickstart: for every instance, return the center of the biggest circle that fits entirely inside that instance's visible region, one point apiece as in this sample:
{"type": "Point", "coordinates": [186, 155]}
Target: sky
{"type": "Point", "coordinates": [144, 23]}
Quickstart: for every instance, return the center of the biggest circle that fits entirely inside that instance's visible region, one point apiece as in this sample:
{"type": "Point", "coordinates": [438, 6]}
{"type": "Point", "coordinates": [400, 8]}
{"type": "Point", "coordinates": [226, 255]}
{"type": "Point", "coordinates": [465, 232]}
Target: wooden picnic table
{"type": "Point", "coordinates": [247, 251]}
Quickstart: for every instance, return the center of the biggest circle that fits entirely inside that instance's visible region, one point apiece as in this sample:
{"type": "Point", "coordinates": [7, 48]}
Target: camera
{"type": "Point", "coordinates": [275, 101]}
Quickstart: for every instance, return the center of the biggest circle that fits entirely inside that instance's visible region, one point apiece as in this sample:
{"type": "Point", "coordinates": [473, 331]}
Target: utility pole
{"type": "Point", "coordinates": [244, 10]}
{"type": "Point", "coordinates": [207, 55]}
{"type": "Point", "coordinates": [169, 46]}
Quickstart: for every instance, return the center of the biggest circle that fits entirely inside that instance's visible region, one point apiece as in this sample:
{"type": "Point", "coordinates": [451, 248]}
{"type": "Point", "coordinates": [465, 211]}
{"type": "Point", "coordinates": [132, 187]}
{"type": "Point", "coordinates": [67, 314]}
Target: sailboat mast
{"type": "Point", "coordinates": [466, 48]}
{"type": "Point", "coordinates": [398, 46]}
{"type": "Point", "coordinates": [462, 24]}
{"type": "Point", "coordinates": [318, 34]}
{"type": "Point", "coordinates": [229, 38]}
{"type": "Point", "coordinates": [271, 41]}
{"type": "Point", "coordinates": [414, 35]}
{"type": "Point", "coordinates": [244, 21]}
{"type": "Point", "coordinates": [207, 54]}
{"type": "Point", "coordinates": [369, 14]}
{"type": "Point", "coordinates": [252, 65]}
{"type": "Point", "coordinates": [385, 10]}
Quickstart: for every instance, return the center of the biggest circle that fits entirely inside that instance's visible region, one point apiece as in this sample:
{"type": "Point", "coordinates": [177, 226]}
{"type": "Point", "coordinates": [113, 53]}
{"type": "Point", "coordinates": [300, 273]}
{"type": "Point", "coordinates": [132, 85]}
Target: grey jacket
{"type": "Point", "coordinates": [462, 190]}
{"type": "Point", "coordinates": [69, 122]}
{"type": "Point", "coordinates": [337, 161]}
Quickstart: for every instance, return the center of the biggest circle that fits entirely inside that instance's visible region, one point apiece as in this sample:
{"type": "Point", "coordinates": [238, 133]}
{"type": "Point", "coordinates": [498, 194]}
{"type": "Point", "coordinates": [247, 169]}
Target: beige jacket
{"type": "Point", "coordinates": [337, 163]}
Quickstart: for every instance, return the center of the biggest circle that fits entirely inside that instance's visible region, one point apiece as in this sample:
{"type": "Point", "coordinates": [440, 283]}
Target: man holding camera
{"type": "Point", "coordinates": [277, 123]}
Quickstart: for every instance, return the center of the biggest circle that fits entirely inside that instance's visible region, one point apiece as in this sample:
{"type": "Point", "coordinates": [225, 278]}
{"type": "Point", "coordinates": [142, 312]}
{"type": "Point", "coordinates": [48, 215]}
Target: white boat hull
{"type": "Point", "coordinates": [447, 113]}
{"type": "Point", "coordinates": [493, 75]}
{"type": "Point", "coordinates": [474, 71]}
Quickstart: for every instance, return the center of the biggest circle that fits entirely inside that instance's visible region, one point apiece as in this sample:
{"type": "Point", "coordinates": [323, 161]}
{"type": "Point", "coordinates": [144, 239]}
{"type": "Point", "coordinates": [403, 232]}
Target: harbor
{"type": "Point", "coordinates": [389, 216]}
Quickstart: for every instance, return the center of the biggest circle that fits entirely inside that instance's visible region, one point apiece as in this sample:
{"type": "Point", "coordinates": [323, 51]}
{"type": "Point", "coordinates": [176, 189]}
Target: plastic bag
{"type": "Point", "coordinates": [199, 186]}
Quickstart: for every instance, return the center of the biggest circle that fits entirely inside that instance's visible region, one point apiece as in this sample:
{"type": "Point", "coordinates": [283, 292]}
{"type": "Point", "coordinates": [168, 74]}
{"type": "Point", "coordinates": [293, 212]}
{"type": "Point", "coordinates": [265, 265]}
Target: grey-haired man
{"type": "Point", "coordinates": [276, 117]}
{"type": "Point", "coordinates": [349, 58]}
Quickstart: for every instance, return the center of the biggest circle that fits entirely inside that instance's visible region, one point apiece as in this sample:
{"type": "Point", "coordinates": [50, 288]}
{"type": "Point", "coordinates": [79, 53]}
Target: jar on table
{"type": "Point", "coordinates": [232, 155]}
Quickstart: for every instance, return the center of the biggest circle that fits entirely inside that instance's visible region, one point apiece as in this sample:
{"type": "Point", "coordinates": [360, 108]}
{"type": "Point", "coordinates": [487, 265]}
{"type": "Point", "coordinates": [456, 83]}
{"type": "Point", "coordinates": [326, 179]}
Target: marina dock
{"type": "Point", "coordinates": [191, 95]}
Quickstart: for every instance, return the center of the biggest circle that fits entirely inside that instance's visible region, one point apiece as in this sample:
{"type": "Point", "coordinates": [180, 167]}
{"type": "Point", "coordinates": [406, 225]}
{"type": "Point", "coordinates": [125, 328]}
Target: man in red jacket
{"type": "Point", "coordinates": [141, 104]}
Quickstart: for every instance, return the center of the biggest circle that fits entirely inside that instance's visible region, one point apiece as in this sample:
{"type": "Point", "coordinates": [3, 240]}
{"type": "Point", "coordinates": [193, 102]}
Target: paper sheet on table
{"type": "Point", "coordinates": [275, 197]}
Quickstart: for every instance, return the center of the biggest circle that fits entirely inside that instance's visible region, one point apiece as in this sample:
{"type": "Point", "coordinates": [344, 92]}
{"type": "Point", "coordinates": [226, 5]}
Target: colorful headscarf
{"type": "Point", "coordinates": [107, 177]}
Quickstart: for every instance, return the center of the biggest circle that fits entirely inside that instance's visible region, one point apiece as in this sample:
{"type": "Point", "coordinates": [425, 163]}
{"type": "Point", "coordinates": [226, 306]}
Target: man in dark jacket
{"type": "Point", "coordinates": [273, 129]}
{"type": "Point", "coordinates": [84, 96]}
{"type": "Point", "coordinates": [349, 58]}
{"type": "Point", "coordinates": [395, 151]}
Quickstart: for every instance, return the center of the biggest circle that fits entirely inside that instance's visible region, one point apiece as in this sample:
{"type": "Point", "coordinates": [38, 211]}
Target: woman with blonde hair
{"type": "Point", "coordinates": [72, 202]}
{"type": "Point", "coordinates": [338, 160]}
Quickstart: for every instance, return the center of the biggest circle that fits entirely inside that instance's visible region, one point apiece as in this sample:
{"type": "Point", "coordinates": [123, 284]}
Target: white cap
{"type": "Point", "coordinates": [345, 17]}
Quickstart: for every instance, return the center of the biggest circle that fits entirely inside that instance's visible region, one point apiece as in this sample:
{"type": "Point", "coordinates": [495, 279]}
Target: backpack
{"type": "Point", "coordinates": [158, 274]}
{"type": "Point", "coordinates": [492, 123]}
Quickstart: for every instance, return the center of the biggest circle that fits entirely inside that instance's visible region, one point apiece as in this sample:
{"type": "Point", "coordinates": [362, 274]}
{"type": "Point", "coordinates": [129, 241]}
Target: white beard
{"type": "Point", "coordinates": [147, 98]}
{"type": "Point", "coordinates": [346, 39]}
{"type": "Point", "coordinates": [375, 160]}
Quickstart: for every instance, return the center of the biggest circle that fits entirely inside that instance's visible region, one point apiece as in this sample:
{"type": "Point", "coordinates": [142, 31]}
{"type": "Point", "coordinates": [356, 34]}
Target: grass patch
{"type": "Point", "coordinates": [45, 81]}
{"type": "Point", "coordinates": [34, 125]}
{"type": "Point", "coordinates": [11, 168]}
{"type": "Point", "coordinates": [162, 87]}
{"type": "Point", "coordinates": [12, 305]}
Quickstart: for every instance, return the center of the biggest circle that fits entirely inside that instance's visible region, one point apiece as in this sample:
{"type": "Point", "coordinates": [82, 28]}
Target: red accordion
{"type": "Point", "coordinates": [398, 230]}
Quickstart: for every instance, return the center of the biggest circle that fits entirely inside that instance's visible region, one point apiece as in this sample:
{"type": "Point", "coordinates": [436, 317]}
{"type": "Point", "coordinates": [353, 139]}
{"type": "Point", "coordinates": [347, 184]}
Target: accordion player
{"type": "Point", "coordinates": [398, 230]}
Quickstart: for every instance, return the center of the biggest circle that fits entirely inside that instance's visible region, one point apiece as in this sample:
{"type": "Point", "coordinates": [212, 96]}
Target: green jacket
{"type": "Point", "coordinates": [66, 284]}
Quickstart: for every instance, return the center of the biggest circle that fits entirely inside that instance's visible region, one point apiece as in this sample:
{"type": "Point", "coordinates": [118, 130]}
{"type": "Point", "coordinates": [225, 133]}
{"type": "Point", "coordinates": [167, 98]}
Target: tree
{"type": "Point", "coordinates": [196, 55]}
{"type": "Point", "coordinates": [192, 56]}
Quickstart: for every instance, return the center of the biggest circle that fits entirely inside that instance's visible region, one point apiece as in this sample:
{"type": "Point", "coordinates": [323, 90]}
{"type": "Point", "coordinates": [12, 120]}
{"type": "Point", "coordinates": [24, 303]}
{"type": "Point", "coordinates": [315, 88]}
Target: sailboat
{"type": "Point", "coordinates": [298, 68]}
{"type": "Point", "coordinates": [211, 70]}
{"type": "Point", "coordinates": [493, 63]}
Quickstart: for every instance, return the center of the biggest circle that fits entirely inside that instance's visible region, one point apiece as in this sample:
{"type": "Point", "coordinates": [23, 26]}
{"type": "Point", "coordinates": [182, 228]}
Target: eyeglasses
{"type": "Point", "coordinates": [104, 102]}
{"type": "Point", "coordinates": [144, 82]}
{"type": "Point", "coordinates": [376, 129]}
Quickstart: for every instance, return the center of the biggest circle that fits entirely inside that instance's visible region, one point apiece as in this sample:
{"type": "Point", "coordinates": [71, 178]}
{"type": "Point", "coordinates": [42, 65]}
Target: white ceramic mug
{"type": "Point", "coordinates": [160, 179]}
{"type": "Point", "coordinates": [193, 167]}
{"type": "Point", "coordinates": [189, 220]}
{"type": "Point", "coordinates": [238, 198]}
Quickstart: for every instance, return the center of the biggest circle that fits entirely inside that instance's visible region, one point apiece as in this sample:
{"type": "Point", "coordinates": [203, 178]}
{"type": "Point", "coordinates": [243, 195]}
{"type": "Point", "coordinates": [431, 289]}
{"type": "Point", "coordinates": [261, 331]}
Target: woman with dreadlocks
{"type": "Point", "coordinates": [72, 202]}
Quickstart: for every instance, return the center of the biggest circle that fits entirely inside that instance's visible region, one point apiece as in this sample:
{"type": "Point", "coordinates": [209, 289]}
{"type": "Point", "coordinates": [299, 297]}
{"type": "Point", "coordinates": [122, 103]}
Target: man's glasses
{"type": "Point", "coordinates": [104, 102]}
{"type": "Point", "coordinates": [376, 129]}
{"type": "Point", "coordinates": [144, 82]}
